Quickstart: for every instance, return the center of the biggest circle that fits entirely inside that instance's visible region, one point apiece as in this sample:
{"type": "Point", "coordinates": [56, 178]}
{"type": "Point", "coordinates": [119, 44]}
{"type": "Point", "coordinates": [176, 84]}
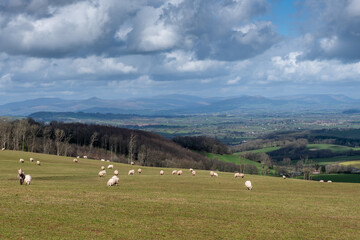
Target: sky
{"type": "Point", "coordinates": [120, 49]}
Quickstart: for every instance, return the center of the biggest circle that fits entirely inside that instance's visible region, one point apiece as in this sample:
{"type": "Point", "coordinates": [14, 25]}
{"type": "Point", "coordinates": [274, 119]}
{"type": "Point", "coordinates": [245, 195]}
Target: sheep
{"type": "Point", "coordinates": [116, 172]}
{"type": "Point", "coordinates": [110, 166]}
{"type": "Point", "coordinates": [193, 173]}
{"type": "Point", "coordinates": [116, 180]}
{"type": "Point", "coordinates": [85, 157]}
{"type": "Point", "coordinates": [21, 176]}
{"type": "Point", "coordinates": [75, 160]}
{"type": "Point", "coordinates": [131, 172]}
{"type": "Point", "coordinates": [102, 173]}
{"type": "Point", "coordinates": [21, 160]}
{"type": "Point", "coordinates": [215, 174]}
{"type": "Point", "coordinates": [31, 159]}
{"type": "Point", "coordinates": [179, 172]}
{"type": "Point", "coordinates": [107, 160]}
{"type": "Point", "coordinates": [78, 157]}
{"type": "Point", "coordinates": [27, 179]}
{"type": "Point", "coordinates": [242, 175]}
{"type": "Point", "coordinates": [284, 177]}
{"type": "Point", "coordinates": [191, 169]}
{"type": "Point", "coordinates": [3, 149]}
{"type": "Point", "coordinates": [211, 173]}
{"type": "Point", "coordinates": [248, 185]}
{"type": "Point", "coordinates": [174, 172]}
{"type": "Point", "coordinates": [139, 170]}
{"type": "Point", "coordinates": [321, 180]}
{"type": "Point", "coordinates": [38, 163]}
{"type": "Point", "coordinates": [329, 181]}
{"type": "Point", "coordinates": [103, 160]}
{"type": "Point", "coordinates": [132, 163]}
{"type": "Point", "coordinates": [236, 175]}
{"type": "Point", "coordinates": [161, 172]}
{"type": "Point", "coordinates": [102, 168]}
{"type": "Point", "coordinates": [111, 182]}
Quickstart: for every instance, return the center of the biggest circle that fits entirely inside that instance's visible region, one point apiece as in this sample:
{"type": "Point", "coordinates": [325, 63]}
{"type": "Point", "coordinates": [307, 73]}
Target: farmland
{"type": "Point", "coordinates": [69, 201]}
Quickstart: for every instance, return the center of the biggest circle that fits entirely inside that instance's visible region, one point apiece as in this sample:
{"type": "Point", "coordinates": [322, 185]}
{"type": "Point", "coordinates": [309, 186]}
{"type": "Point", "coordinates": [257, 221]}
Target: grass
{"type": "Point", "coordinates": [325, 161]}
{"type": "Point", "coordinates": [232, 159]}
{"type": "Point", "coordinates": [69, 201]}
{"type": "Point", "coordinates": [261, 150]}
{"type": "Point", "coordinates": [331, 147]}
{"type": "Point", "coordinates": [353, 178]}
{"type": "Point", "coordinates": [355, 164]}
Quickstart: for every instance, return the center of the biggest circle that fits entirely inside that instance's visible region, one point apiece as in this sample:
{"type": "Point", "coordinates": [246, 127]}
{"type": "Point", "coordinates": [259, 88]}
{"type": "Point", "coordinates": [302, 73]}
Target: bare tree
{"type": "Point", "coordinates": [132, 144]}
{"type": "Point", "coordinates": [59, 137]}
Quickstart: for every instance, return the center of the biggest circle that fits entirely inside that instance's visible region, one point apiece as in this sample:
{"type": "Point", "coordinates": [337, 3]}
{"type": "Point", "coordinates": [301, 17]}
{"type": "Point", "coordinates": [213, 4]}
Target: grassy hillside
{"type": "Point", "coordinates": [232, 159]}
{"type": "Point", "coordinates": [69, 201]}
{"type": "Point", "coordinates": [354, 178]}
{"type": "Point", "coordinates": [355, 164]}
{"type": "Point", "coordinates": [331, 147]}
{"type": "Point", "coordinates": [261, 150]}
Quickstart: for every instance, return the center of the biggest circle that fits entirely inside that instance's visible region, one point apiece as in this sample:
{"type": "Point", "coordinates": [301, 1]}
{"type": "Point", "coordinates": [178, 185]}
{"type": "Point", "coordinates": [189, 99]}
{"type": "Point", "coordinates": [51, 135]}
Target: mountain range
{"type": "Point", "coordinates": [177, 104]}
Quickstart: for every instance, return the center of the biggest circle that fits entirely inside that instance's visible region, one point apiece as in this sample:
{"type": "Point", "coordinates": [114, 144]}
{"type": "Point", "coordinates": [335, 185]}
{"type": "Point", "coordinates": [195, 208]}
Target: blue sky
{"type": "Point", "coordinates": [112, 49]}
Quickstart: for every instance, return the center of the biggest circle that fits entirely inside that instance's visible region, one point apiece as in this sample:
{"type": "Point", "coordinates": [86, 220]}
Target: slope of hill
{"type": "Point", "coordinates": [69, 201]}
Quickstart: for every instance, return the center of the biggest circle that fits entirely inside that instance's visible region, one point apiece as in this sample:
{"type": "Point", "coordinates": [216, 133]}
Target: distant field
{"type": "Point", "coordinates": [331, 147]}
{"type": "Point", "coordinates": [232, 159]}
{"type": "Point", "coordinates": [355, 164]}
{"type": "Point", "coordinates": [324, 161]}
{"type": "Point", "coordinates": [261, 150]}
{"type": "Point", "coordinates": [69, 201]}
{"type": "Point", "coordinates": [353, 178]}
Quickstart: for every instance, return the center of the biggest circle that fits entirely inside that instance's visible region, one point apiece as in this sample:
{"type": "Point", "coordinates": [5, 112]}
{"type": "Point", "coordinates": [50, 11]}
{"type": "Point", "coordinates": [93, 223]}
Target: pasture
{"type": "Point", "coordinates": [68, 200]}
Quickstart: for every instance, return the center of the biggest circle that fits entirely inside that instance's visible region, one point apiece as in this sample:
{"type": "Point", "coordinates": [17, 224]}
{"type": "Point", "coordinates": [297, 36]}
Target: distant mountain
{"type": "Point", "coordinates": [177, 104]}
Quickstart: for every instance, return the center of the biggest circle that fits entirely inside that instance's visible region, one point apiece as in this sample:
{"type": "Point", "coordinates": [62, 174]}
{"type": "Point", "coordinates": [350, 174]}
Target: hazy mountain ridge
{"type": "Point", "coordinates": [178, 104]}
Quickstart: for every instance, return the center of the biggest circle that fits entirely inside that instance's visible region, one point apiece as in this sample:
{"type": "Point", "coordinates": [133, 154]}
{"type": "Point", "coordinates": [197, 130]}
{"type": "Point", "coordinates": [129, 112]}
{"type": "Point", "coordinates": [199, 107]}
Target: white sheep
{"type": "Point", "coordinates": [329, 181]}
{"type": "Point", "coordinates": [116, 179]}
{"type": "Point", "coordinates": [78, 157]}
{"type": "Point", "coordinates": [31, 159]}
{"type": "Point", "coordinates": [110, 166]}
{"type": "Point", "coordinates": [131, 172]}
{"type": "Point", "coordinates": [3, 149]}
{"type": "Point", "coordinates": [321, 180]}
{"type": "Point", "coordinates": [191, 169]}
{"type": "Point", "coordinates": [211, 173]}
{"type": "Point", "coordinates": [103, 160]}
{"type": "Point", "coordinates": [284, 177]}
{"type": "Point", "coordinates": [21, 160]}
{"type": "Point", "coordinates": [107, 160]}
{"type": "Point", "coordinates": [161, 172]}
{"type": "Point", "coordinates": [27, 179]}
{"type": "Point", "coordinates": [139, 170]}
{"type": "Point", "coordinates": [75, 160]}
{"type": "Point", "coordinates": [102, 173]}
{"type": "Point", "coordinates": [242, 175]}
{"type": "Point", "coordinates": [174, 172]}
{"type": "Point", "coordinates": [111, 182]}
{"type": "Point", "coordinates": [102, 168]}
{"type": "Point", "coordinates": [38, 163]}
{"type": "Point", "coordinates": [116, 172]}
{"type": "Point", "coordinates": [132, 163]}
{"type": "Point", "coordinates": [236, 175]}
{"type": "Point", "coordinates": [85, 157]}
{"type": "Point", "coordinates": [248, 185]}
{"type": "Point", "coordinates": [193, 173]}
{"type": "Point", "coordinates": [215, 174]}
{"type": "Point", "coordinates": [179, 172]}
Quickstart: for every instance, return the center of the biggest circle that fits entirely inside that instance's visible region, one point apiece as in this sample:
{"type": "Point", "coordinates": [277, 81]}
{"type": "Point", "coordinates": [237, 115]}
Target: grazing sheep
{"type": "Point", "coordinates": [132, 163]}
{"type": "Point", "coordinates": [215, 174]}
{"type": "Point", "coordinates": [284, 177]}
{"type": "Point", "coordinates": [27, 179]}
{"type": "Point", "coordinates": [248, 185]}
{"type": "Point", "coordinates": [161, 172]}
{"type": "Point", "coordinates": [102, 173]}
{"type": "Point", "coordinates": [242, 175]}
{"type": "Point", "coordinates": [21, 160]}
{"type": "Point", "coordinates": [102, 168]}
{"type": "Point", "coordinates": [38, 163]}
{"type": "Point", "coordinates": [116, 179]}
{"type": "Point", "coordinates": [139, 170]}
{"type": "Point", "coordinates": [174, 172]}
{"type": "Point", "coordinates": [75, 160]}
{"type": "Point", "coordinates": [78, 157]}
{"type": "Point", "coordinates": [321, 180]}
{"type": "Point", "coordinates": [111, 182]}
{"type": "Point", "coordinates": [21, 176]}
{"type": "Point", "coordinates": [31, 159]}
{"type": "Point", "coordinates": [107, 160]}
{"type": "Point", "coordinates": [236, 175]}
{"type": "Point", "coordinates": [191, 169]}
{"type": "Point", "coordinates": [3, 149]}
{"type": "Point", "coordinates": [85, 156]}
{"type": "Point", "coordinates": [131, 172]}
{"type": "Point", "coordinates": [193, 173]}
{"type": "Point", "coordinates": [211, 173]}
{"type": "Point", "coordinates": [110, 166]}
{"type": "Point", "coordinates": [329, 181]}
{"type": "Point", "coordinates": [179, 172]}
{"type": "Point", "coordinates": [103, 160]}
{"type": "Point", "coordinates": [116, 172]}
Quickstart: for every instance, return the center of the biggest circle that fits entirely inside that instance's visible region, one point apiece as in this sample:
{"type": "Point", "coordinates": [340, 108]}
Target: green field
{"type": "Point", "coordinates": [331, 147]}
{"type": "Point", "coordinates": [232, 159]}
{"type": "Point", "coordinates": [354, 178]}
{"type": "Point", "coordinates": [261, 150]}
{"type": "Point", "coordinates": [324, 161]}
{"type": "Point", "coordinates": [355, 164]}
{"type": "Point", "coordinates": [69, 201]}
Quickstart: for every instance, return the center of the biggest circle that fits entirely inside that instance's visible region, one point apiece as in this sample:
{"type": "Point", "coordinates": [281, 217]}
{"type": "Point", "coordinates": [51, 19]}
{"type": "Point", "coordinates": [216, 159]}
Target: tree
{"type": "Point", "coordinates": [59, 137]}
{"type": "Point", "coordinates": [132, 143]}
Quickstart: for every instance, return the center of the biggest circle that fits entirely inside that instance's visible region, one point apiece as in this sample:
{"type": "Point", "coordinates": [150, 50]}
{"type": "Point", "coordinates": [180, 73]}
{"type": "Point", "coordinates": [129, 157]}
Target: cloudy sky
{"type": "Point", "coordinates": [117, 49]}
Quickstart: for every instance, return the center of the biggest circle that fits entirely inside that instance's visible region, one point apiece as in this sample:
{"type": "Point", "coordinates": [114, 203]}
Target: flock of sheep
{"type": "Point", "coordinates": [114, 180]}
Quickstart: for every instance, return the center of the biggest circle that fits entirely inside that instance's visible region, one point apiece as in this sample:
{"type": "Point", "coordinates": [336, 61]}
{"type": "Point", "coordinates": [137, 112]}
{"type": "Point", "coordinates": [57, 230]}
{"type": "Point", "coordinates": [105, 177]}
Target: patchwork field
{"type": "Point", "coordinates": [69, 201]}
